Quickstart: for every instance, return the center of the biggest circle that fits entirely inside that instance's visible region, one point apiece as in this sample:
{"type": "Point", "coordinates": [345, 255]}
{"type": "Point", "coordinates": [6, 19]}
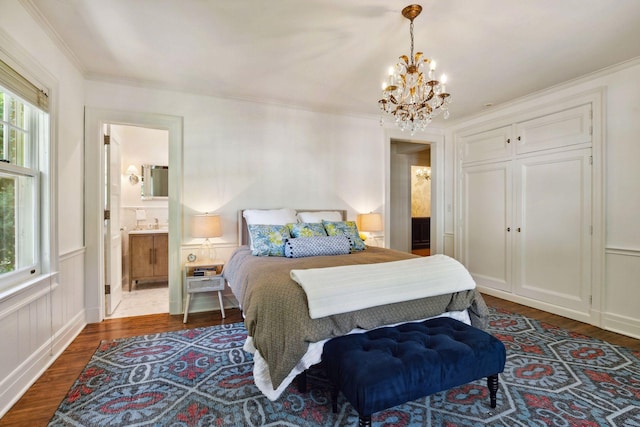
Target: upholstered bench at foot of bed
{"type": "Point", "coordinates": [389, 366]}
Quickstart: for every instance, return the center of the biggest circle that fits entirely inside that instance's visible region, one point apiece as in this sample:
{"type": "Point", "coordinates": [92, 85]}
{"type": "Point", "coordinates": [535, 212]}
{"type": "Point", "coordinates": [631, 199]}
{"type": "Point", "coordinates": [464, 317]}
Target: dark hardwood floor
{"type": "Point", "coordinates": [37, 406]}
{"type": "Point", "coordinates": [421, 252]}
{"type": "Point", "coordinates": [40, 402]}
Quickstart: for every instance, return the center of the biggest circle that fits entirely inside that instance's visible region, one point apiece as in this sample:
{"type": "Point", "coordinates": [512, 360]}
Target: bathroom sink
{"type": "Point", "coordinates": [148, 231]}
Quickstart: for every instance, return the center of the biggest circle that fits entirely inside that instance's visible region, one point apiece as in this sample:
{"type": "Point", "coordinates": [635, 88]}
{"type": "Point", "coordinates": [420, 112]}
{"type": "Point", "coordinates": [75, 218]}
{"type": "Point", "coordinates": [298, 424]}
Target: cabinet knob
{"type": "Point", "coordinates": [508, 140]}
{"type": "Point", "coordinates": [518, 138]}
{"type": "Point", "coordinates": [508, 228]}
{"type": "Point", "coordinates": [518, 229]}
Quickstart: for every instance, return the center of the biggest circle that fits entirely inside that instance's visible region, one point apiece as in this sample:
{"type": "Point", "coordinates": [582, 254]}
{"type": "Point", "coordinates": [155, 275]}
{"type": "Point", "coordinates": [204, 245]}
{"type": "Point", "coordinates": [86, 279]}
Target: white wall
{"type": "Point", "coordinates": [37, 324]}
{"type": "Point", "coordinates": [239, 154]}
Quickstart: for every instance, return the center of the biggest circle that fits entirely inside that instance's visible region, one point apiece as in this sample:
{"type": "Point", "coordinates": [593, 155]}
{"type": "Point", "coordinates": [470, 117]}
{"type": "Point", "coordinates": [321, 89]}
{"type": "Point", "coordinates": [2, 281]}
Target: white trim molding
{"type": "Point", "coordinates": [95, 119]}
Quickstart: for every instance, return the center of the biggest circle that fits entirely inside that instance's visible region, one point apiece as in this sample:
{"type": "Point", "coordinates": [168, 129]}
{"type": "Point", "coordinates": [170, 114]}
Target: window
{"type": "Point", "coordinates": [24, 130]}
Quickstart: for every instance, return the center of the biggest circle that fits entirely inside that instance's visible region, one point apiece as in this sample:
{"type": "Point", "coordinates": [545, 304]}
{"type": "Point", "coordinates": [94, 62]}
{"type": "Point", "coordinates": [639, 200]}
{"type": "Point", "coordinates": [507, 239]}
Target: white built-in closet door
{"type": "Point", "coordinates": [486, 211]}
{"type": "Point", "coordinates": [553, 228]}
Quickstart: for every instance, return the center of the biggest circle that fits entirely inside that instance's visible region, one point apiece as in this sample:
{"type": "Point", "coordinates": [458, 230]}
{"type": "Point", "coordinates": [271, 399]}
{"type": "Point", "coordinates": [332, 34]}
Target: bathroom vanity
{"type": "Point", "coordinates": [148, 256]}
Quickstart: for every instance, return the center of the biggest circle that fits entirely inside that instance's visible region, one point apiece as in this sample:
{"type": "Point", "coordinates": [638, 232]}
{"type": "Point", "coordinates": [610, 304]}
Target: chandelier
{"type": "Point", "coordinates": [411, 95]}
{"type": "Point", "coordinates": [424, 173]}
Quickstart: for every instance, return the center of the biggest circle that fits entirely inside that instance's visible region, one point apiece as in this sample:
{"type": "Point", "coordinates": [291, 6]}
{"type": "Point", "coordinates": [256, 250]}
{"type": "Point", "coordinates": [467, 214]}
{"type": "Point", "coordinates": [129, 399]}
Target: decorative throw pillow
{"type": "Point", "coordinates": [317, 246]}
{"type": "Point", "coordinates": [305, 229]}
{"type": "Point", "coordinates": [345, 228]}
{"type": "Point", "coordinates": [268, 240]}
{"type": "Point", "coordinates": [268, 216]}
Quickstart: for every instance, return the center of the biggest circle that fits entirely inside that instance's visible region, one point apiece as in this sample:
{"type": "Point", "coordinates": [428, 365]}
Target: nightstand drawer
{"type": "Point", "coordinates": [205, 284]}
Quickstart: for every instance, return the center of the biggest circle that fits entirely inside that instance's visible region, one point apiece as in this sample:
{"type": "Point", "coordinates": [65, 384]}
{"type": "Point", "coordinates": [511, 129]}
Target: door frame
{"type": "Point", "coordinates": [435, 138]}
{"type": "Point", "coordinates": [94, 193]}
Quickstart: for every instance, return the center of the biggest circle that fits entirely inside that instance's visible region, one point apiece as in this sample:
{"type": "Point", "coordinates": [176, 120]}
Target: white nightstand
{"type": "Point", "coordinates": [211, 280]}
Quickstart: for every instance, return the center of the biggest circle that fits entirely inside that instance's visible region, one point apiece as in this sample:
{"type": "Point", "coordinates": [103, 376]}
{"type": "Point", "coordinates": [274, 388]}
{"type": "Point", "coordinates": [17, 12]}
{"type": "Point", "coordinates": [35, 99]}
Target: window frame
{"type": "Point", "coordinates": [36, 141]}
{"type": "Point", "coordinates": [40, 168]}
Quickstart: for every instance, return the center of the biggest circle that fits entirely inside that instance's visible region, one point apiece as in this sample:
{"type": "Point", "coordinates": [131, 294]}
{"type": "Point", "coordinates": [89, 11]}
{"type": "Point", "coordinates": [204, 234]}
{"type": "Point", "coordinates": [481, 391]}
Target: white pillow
{"type": "Point", "coordinates": [334, 216]}
{"type": "Point", "coordinates": [270, 216]}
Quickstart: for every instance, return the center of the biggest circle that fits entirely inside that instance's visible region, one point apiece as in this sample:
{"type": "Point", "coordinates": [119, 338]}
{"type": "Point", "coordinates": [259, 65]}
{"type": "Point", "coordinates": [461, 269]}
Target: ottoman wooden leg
{"type": "Point", "coordinates": [334, 398]}
{"type": "Point", "coordinates": [301, 379]}
{"type": "Point", "coordinates": [365, 421]}
{"type": "Point", "coordinates": [492, 384]}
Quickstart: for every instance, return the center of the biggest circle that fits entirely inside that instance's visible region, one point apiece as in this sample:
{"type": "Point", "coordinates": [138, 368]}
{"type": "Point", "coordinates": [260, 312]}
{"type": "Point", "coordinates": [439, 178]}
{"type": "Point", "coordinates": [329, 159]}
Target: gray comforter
{"type": "Point", "coordinates": [277, 315]}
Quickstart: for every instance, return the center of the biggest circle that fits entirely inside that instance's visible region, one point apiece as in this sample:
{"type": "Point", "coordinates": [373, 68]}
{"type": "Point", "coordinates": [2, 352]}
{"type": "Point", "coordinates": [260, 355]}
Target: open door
{"type": "Point", "coordinates": [112, 233]}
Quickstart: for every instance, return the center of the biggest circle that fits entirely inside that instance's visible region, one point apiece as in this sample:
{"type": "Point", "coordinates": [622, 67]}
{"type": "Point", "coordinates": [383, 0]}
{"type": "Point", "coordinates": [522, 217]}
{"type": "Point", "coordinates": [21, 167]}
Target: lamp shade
{"type": "Point", "coordinates": [206, 226]}
{"type": "Point", "coordinates": [370, 222]}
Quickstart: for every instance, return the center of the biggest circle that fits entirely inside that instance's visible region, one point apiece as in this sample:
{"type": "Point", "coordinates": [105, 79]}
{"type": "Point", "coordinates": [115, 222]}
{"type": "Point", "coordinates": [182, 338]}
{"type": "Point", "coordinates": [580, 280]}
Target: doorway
{"type": "Point", "coordinates": [440, 242]}
{"type": "Point", "coordinates": [143, 218]}
{"type": "Point", "coordinates": [95, 122]}
{"type": "Point", "coordinates": [410, 201]}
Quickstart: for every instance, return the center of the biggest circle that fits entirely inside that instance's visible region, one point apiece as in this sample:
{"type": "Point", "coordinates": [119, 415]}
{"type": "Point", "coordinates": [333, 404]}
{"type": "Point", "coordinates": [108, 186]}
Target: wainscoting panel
{"type": "Point", "coordinates": [36, 325]}
{"type": "Point", "coordinates": [622, 292]}
{"type": "Point", "coordinates": [449, 239]}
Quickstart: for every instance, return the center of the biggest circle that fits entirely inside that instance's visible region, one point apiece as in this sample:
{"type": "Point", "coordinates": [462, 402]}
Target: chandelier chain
{"type": "Point", "coordinates": [411, 33]}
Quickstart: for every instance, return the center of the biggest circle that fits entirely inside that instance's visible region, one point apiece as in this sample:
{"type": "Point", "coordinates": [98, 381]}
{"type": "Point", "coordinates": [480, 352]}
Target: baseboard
{"type": "Point", "coordinates": [550, 308]}
{"type": "Point", "coordinates": [23, 377]}
{"type": "Point", "coordinates": [621, 325]}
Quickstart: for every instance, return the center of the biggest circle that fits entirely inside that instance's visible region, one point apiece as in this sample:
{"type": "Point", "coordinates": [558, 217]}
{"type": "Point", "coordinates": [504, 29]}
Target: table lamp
{"type": "Point", "coordinates": [370, 222]}
{"type": "Point", "coordinates": [206, 226]}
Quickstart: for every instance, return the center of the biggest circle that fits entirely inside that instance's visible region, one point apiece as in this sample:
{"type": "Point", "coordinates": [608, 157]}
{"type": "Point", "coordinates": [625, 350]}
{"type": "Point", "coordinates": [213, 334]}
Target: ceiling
{"type": "Point", "coordinates": [332, 55]}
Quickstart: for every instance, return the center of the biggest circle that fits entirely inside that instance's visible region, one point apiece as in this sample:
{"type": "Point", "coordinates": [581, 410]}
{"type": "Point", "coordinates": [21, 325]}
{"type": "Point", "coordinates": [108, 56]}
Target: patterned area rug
{"type": "Point", "coordinates": [202, 377]}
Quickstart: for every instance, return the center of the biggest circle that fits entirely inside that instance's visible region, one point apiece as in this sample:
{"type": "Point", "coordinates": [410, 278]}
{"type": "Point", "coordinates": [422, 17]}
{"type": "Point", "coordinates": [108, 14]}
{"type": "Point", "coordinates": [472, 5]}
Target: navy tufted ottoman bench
{"type": "Point", "coordinates": [389, 366]}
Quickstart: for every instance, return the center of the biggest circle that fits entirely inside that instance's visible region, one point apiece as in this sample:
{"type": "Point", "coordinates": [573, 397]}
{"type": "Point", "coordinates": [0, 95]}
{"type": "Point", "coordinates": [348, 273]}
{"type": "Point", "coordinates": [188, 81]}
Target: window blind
{"type": "Point", "coordinates": [20, 86]}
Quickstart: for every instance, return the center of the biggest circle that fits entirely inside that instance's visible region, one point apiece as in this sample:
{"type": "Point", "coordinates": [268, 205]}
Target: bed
{"type": "Point", "coordinates": [282, 335]}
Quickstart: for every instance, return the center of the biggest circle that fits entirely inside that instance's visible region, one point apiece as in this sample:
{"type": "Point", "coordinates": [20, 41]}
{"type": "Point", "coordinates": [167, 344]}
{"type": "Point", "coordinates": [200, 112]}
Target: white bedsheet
{"type": "Point", "coordinates": [313, 356]}
{"type": "Point", "coordinates": [334, 290]}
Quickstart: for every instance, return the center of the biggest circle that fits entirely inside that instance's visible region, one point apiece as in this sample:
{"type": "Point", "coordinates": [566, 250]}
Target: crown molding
{"type": "Point", "coordinates": [35, 13]}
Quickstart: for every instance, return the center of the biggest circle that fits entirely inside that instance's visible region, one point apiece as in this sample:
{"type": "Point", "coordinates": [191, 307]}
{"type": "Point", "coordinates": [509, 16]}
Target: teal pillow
{"type": "Point", "coordinates": [306, 229]}
{"type": "Point", "coordinates": [268, 240]}
{"type": "Point", "coordinates": [345, 228]}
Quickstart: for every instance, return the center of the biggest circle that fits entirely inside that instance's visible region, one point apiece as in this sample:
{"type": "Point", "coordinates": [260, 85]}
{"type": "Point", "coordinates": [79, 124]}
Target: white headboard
{"type": "Point", "coordinates": [243, 231]}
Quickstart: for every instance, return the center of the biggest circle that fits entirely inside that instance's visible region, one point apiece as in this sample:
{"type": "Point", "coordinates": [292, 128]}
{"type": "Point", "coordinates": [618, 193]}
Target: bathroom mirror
{"type": "Point", "coordinates": [155, 182]}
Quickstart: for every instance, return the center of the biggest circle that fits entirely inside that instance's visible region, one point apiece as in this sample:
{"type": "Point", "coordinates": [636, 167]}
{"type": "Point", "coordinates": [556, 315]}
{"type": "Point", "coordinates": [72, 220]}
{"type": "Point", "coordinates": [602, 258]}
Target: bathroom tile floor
{"type": "Point", "coordinates": [145, 298]}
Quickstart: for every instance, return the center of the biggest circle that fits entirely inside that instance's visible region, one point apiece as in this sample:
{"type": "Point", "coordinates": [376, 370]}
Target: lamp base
{"type": "Point", "coordinates": [207, 252]}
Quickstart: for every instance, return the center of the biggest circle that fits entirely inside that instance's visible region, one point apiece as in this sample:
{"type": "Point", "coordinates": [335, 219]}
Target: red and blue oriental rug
{"type": "Point", "coordinates": [202, 377]}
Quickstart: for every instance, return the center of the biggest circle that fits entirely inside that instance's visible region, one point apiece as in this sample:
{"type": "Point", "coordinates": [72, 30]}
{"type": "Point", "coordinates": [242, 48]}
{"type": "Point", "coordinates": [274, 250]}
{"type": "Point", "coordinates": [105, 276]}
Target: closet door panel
{"type": "Point", "coordinates": [486, 211]}
{"type": "Point", "coordinates": [553, 223]}
{"type": "Point", "coordinates": [494, 144]}
{"type": "Point", "coordinates": [556, 130]}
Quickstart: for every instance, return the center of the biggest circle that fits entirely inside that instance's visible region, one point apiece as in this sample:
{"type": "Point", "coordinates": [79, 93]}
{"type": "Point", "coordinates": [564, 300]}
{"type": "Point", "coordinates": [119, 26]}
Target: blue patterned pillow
{"type": "Point", "coordinates": [268, 240]}
{"type": "Point", "coordinates": [317, 246]}
{"type": "Point", "coordinates": [345, 228]}
{"type": "Point", "coordinates": [306, 229]}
